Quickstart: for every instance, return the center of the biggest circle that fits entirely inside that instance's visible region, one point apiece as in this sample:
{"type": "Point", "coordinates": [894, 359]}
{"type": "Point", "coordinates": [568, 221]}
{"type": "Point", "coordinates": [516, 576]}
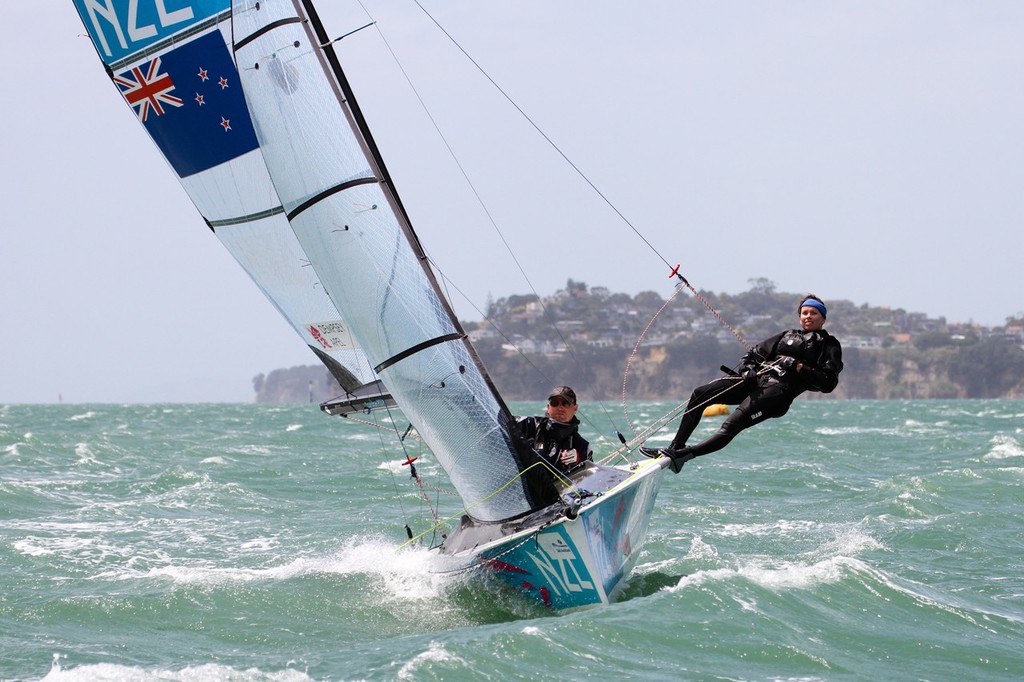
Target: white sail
{"type": "Point", "coordinates": [347, 219]}
{"type": "Point", "coordinates": [288, 177]}
{"type": "Point", "coordinates": [175, 70]}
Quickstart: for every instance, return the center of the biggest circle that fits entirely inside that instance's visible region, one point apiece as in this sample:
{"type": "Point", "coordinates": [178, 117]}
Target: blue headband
{"type": "Point", "coordinates": [815, 303]}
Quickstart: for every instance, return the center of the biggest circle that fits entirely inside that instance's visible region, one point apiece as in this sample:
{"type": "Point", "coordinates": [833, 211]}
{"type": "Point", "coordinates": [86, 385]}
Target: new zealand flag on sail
{"type": "Point", "coordinates": [191, 102]}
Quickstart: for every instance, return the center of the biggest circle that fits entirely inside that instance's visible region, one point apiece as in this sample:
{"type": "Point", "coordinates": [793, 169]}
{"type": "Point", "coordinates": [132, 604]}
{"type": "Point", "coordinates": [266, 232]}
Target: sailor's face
{"type": "Point", "coordinates": [561, 410]}
{"type": "Point", "coordinates": [811, 319]}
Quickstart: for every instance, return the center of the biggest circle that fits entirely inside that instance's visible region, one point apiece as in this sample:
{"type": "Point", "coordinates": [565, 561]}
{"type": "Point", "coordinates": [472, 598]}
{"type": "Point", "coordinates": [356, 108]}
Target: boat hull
{"type": "Point", "coordinates": [571, 560]}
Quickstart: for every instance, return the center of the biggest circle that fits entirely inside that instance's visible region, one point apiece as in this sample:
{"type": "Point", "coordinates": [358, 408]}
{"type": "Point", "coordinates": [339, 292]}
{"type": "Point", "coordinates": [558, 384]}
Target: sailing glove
{"type": "Point", "coordinates": [786, 364]}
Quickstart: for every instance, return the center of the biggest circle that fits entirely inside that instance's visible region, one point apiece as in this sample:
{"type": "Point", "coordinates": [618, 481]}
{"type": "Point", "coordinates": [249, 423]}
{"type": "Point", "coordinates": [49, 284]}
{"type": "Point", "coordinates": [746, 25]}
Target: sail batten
{"type": "Point", "coordinates": [423, 345]}
{"type": "Point", "coordinates": [340, 187]}
{"type": "Point", "coordinates": [241, 220]}
{"type": "Point", "coordinates": [240, 43]}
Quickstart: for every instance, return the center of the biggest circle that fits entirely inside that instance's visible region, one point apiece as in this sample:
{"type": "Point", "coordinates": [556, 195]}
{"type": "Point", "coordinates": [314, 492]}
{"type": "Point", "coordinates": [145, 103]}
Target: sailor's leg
{"type": "Point", "coordinates": [768, 403]}
{"type": "Point", "coordinates": [734, 423]}
{"type": "Point", "coordinates": [725, 390]}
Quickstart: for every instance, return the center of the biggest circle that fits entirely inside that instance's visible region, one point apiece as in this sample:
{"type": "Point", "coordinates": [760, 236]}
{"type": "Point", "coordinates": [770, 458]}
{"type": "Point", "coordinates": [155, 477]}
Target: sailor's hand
{"type": "Point", "coordinates": [787, 363]}
{"type": "Point", "coordinates": [569, 456]}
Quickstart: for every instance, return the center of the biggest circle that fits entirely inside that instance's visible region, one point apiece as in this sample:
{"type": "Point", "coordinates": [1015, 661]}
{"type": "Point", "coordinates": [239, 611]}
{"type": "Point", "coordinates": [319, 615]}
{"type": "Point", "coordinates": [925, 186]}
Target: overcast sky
{"type": "Point", "coordinates": [869, 151]}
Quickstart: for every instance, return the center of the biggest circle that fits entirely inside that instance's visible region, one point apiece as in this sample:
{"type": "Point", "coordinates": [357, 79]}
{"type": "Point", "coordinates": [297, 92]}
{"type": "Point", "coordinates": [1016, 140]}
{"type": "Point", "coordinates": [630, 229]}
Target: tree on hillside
{"type": "Point", "coordinates": [762, 285]}
{"type": "Point", "coordinates": [989, 368]}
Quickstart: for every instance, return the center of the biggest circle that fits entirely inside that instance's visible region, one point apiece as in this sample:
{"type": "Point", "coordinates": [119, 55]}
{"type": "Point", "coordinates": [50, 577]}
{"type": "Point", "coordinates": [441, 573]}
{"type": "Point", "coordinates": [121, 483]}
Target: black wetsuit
{"type": "Point", "coordinates": [548, 438]}
{"type": "Point", "coordinates": [771, 392]}
{"type": "Point", "coordinates": [543, 439]}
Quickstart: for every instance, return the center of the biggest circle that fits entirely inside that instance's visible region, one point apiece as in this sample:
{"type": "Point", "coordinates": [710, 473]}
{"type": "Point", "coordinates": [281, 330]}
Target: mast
{"type": "Point", "coordinates": [347, 99]}
{"type": "Point", "coordinates": [340, 201]}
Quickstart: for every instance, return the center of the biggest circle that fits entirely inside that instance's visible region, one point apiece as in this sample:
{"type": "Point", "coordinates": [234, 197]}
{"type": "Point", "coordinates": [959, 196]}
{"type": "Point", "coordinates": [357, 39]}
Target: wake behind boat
{"type": "Point", "coordinates": [250, 106]}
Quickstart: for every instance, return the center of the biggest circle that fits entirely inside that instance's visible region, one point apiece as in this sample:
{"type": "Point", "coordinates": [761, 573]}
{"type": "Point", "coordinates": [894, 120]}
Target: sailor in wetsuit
{"type": "Point", "coordinates": [768, 380]}
{"type": "Point", "coordinates": [555, 440]}
{"type": "Point", "coordinates": [556, 436]}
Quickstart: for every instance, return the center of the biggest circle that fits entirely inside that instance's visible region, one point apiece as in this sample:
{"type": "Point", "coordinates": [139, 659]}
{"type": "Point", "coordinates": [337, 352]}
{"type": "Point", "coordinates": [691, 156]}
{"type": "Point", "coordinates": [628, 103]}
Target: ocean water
{"type": "Point", "coordinates": [846, 541]}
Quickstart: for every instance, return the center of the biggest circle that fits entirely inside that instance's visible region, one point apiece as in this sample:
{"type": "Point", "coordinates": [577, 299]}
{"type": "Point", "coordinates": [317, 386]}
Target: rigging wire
{"type": "Point", "coordinates": [432, 506]}
{"type": "Point", "coordinates": [674, 271]}
{"type": "Point", "coordinates": [632, 355]}
{"type": "Point", "coordinates": [551, 142]}
{"type": "Point", "coordinates": [479, 199]}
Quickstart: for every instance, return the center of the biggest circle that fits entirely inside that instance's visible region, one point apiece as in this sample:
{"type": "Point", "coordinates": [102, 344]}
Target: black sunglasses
{"type": "Point", "coordinates": [558, 402]}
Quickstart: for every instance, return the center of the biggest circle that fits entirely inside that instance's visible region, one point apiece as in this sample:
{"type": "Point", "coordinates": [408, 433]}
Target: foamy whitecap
{"type": "Point", "coordinates": [206, 575]}
{"type": "Point", "coordinates": [435, 654]}
{"type": "Point", "coordinates": [394, 466]}
{"type": "Point", "coordinates": [797, 575]}
{"type": "Point", "coordinates": [84, 454]}
{"type": "Point", "coordinates": [261, 544]}
{"type": "Point", "coordinates": [210, 671]}
{"type": "Point", "coordinates": [855, 430]}
{"type": "Point", "coordinates": [29, 547]}
{"type": "Point", "coordinates": [414, 573]}
{"type": "Point", "coordinates": [700, 550]}
{"type": "Point", "coordinates": [655, 566]}
{"type": "Point", "coordinates": [63, 545]}
{"type": "Point", "coordinates": [1004, 446]}
{"type": "Point", "coordinates": [407, 574]}
{"type": "Point", "coordinates": [779, 576]}
{"type": "Point", "coordinates": [293, 427]}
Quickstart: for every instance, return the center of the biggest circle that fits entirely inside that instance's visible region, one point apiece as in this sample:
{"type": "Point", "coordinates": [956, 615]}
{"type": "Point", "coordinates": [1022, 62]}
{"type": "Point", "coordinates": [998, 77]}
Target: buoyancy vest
{"type": "Point", "coordinates": [803, 346]}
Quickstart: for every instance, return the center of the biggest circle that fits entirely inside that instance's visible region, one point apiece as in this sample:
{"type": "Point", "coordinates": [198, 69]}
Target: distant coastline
{"type": "Point", "coordinates": [585, 337]}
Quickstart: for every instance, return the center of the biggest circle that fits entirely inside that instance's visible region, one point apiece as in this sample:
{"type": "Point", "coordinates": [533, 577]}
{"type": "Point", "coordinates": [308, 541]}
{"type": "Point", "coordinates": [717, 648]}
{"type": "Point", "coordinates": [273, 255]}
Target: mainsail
{"type": "Point", "coordinates": [349, 221]}
{"type": "Point", "coordinates": [291, 182]}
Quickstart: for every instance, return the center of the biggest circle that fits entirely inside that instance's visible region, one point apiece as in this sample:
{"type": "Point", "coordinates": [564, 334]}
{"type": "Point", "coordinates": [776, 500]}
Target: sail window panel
{"type": "Point", "coordinates": [364, 260]}
{"type": "Point", "coordinates": [251, 16]}
{"type": "Point", "coordinates": [268, 251]}
{"type": "Point", "coordinates": [302, 130]}
{"type": "Point", "coordinates": [371, 273]}
{"type": "Point", "coordinates": [457, 416]}
{"type": "Point", "coordinates": [376, 281]}
{"type": "Point", "coordinates": [362, 255]}
{"type": "Point", "coordinates": [233, 190]}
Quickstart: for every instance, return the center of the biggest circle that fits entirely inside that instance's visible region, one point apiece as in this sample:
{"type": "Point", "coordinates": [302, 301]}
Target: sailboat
{"type": "Point", "coordinates": [251, 108]}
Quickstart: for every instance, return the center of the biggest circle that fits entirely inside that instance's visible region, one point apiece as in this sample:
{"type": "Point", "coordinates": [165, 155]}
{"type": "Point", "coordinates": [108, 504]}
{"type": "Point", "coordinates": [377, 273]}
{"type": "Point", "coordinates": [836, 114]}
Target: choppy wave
{"type": "Point", "coordinates": [269, 543]}
{"type": "Point", "coordinates": [103, 672]}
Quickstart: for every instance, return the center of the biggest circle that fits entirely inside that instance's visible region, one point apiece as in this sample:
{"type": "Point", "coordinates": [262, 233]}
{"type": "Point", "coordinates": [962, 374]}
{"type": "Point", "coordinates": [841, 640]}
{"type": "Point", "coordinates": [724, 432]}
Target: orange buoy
{"type": "Point", "coordinates": [716, 410]}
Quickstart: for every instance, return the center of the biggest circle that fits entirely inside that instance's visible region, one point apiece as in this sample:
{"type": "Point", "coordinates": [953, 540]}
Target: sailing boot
{"type": "Point", "coordinates": [678, 457]}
